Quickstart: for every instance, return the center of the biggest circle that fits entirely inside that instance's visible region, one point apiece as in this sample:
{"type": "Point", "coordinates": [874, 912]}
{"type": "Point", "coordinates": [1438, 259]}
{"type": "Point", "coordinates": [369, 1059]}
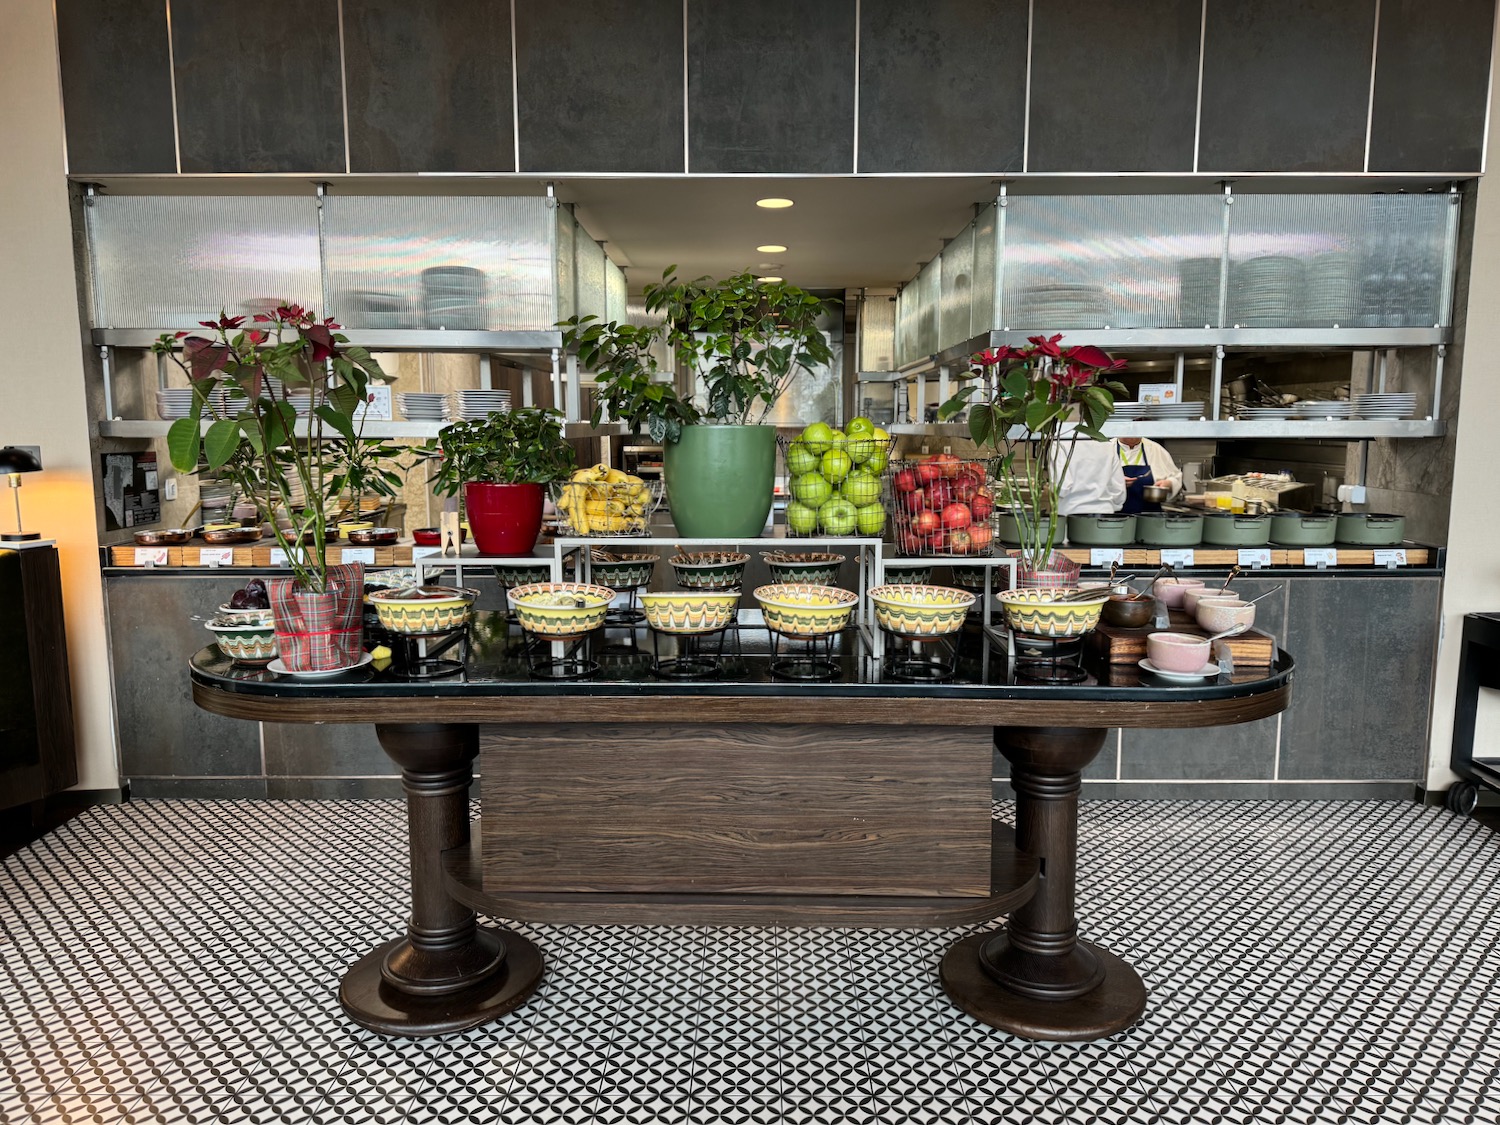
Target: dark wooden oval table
{"type": "Point", "coordinates": [741, 798]}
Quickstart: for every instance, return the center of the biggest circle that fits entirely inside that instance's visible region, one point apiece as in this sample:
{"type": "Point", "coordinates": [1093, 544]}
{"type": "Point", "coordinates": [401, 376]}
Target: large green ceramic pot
{"type": "Point", "coordinates": [719, 480]}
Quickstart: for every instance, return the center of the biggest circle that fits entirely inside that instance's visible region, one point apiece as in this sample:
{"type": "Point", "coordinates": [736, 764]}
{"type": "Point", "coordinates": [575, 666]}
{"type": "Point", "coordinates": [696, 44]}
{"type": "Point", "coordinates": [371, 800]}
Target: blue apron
{"type": "Point", "coordinates": [1137, 477]}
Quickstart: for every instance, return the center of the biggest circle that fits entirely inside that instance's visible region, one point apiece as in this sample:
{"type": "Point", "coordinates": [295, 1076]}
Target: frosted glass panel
{"type": "Point", "coordinates": [929, 300]}
{"type": "Point", "coordinates": [1313, 261]}
{"type": "Point", "coordinates": [589, 271]}
{"type": "Point", "coordinates": [464, 263]}
{"type": "Point", "coordinates": [957, 280]}
{"type": "Point", "coordinates": [984, 315]}
{"type": "Point", "coordinates": [167, 261]}
{"type": "Point", "coordinates": [877, 334]}
{"type": "Point", "coordinates": [906, 325]}
{"type": "Point", "coordinates": [566, 297]}
{"type": "Point", "coordinates": [617, 294]}
{"type": "Point", "coordinates": [1135, 261]}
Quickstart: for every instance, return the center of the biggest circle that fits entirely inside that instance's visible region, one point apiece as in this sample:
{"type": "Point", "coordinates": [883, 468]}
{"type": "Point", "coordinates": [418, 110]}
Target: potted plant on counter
{"type": "Point", "coordinates": [502, 464]}
{"type": "Point", "coordinates": [1033, 405]}
{"type": "Point", "coordinates": [745, 340]}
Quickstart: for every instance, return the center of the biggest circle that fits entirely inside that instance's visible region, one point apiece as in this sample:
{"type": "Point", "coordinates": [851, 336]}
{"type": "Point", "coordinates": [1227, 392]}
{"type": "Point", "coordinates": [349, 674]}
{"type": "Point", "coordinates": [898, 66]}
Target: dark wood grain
{"type": "Point", "coordinates": [748, 809]}
{"type": "Point", "coordinates": [47, 640]}
{"type": "Point", "coordinates": [1013, 878]}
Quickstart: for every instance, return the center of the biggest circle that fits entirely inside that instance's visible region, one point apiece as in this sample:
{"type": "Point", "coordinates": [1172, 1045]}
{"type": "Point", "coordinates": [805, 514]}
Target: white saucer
{"type": "Point", "coordinates": [281, 669]}
{"type": "Point", "coordinates": [1201, 674]}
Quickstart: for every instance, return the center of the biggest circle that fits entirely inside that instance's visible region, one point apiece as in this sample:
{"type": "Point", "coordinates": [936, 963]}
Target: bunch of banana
{"type": "Point", "coordinates": [599, 500]}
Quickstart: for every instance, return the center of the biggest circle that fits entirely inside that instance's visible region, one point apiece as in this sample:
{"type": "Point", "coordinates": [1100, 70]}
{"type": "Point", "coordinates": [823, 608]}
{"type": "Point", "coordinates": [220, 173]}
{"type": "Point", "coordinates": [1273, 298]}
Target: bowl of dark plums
{"type": "Point", "coordinates": [250, 605]}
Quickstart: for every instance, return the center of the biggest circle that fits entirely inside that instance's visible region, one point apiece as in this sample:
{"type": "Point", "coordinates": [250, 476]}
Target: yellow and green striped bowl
{"type": "Point", "coordinates": [400, 611]}
{"type": "Point", "coordinates": [920, 611]}
{"type": "Point", "coordinates": [703, 611]}
{"type": "Point", "coordinates": [803, 610]}
{"type": "Point", "coordinates": [1035, 612]}
{"type": "Point", "coordinates": [561, 622]}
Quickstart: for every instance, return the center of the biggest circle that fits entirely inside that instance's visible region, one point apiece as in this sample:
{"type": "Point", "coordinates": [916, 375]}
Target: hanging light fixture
{"type": "Point", "coordinates": [14, 462]}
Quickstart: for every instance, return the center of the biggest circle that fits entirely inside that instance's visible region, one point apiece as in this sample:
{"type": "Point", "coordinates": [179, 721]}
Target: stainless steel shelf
{"type": "Point", "coordinates": [518, 344]}
{"type": "Point", "coordinates": [1339, 430]}
{"type": "Point", "coordinates": [415, 431]}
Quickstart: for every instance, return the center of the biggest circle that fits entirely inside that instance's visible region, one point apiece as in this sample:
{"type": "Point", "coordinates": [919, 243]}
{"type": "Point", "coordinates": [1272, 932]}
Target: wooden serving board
{"type": "Point", "coordinates": [1118, 645]}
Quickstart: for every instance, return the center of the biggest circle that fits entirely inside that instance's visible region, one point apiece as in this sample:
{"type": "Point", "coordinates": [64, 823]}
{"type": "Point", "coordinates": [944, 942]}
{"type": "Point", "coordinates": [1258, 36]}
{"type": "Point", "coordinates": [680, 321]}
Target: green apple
{"type": "Point", "coordinates": [861, 448]}
{"type": "Point", "coordinates": [839, 440]}
{"type": "Point", "coordinates": [838, 517]}
{"type": "Point", "coordinates": [800, 459]}
{"type": "Point", "coordinates": [861, 425]}
{"type": "Point", "coordinates": [800, 518]}
{"type": "Point", "coordinates": [812, 489]}
{"type": "Point", "coordinates": [878, 460]}
{"type": "Point", "coordinates": [818, 438]}
{"type": "Point", "coordinates": [871, 519]}
{"type": "Point", "coordinates": [860, 487]}
{"type": "Point", "coordinates": [836, 465]}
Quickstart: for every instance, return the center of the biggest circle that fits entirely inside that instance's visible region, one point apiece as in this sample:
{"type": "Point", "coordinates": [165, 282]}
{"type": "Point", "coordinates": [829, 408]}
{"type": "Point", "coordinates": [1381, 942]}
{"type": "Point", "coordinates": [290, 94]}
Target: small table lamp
{"type": "Point", "coordinates": [14, 462]}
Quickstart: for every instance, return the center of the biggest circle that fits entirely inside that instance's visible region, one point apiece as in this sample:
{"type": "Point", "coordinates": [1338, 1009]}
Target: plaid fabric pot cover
{"type": "Point", "coordinates": [319, 632]}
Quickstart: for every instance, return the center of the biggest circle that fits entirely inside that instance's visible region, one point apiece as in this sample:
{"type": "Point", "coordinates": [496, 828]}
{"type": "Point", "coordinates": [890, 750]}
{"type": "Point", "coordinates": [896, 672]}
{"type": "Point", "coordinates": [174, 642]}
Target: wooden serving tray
{"type": "Point", "coordinates": [1118, 645]}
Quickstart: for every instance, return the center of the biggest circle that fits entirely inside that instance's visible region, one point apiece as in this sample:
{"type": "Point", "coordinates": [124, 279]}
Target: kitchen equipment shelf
{"type": "Point", "coordinates": [154, 428]}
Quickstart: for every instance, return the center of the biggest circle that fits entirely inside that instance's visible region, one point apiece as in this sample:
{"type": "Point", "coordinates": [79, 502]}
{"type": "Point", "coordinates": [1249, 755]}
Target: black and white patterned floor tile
{"type": "Point", "coordinates": [178, 961]}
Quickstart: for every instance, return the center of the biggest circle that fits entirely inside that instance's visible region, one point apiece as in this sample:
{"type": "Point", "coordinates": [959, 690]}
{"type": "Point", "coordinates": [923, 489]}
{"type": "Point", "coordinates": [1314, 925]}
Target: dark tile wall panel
{"type": "Point", "coordinates": [1432, 72]}
{"type": "Point", "coordinates": [1286, 85]}
{"type": "Point", "coordinates": [429, 86]}
{"type": "Point", "coordinates": [1114, 86]}
{"type": "Point", "coordinates": [200, 788]}
{"type": "Point", "coordinates": [771, 86]}
{"type": "Point", "coordinates": [1362, 709]}
{"type": "Point", "coordinates": [1246, 791]}
{"type": "Point", "coordinates": [915, 114]}
{"type": "Point", "coordinates": [599, 85]}
{"type": "Point", "coordinates": [324, 750]}
{"type": "Point", "coordinates": [117, 85]}
{"type": "Point", "coordinates": [334, 788]}
{"type": "Point", "coordinates": [258, 88]}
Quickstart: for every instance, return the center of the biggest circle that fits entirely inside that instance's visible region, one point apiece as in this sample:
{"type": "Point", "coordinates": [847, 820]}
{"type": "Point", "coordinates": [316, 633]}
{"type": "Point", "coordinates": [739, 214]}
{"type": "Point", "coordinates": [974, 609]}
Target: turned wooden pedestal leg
{"type": "Point", "coordinates": [446, 974]}
{"type": "Point", "coordinates": [1034, 978]}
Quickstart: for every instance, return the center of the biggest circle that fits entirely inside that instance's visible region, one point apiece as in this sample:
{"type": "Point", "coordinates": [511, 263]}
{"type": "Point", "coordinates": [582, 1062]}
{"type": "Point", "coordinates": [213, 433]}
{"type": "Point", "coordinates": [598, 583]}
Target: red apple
{"type": "Point", "coordinates": [957, 515]}
{"type": "Point", "coordinates": [914, 501]}
{"type": "Point", "coordinates": [960, 541]}
{"type": "Point", "coordinates": [905, 481]}
{"type": "Point", "coordinates": [948, 464]}
{"type": "Point", "coordinates": [980, 538]}
{"type": "Point", "coordinates": [937, 542]}
{"type": "Point", "coordinates": [938, 495]}
{"type": "Point", "coordinates": [928, 471]}
{"type": "Point", "coordinates": [909, 543]}
{"type": "Point", "coordinates": [982, 506]}
{"type": "Point", "coordinates": [926, 522]}
{"type": "Point", "coordinates": [965, 487]}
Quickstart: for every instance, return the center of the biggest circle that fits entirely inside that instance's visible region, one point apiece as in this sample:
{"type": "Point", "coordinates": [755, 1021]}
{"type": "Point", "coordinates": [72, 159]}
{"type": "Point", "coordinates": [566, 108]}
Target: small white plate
{"type": "Point", "coordinates": [281, 669]}
{"type": "Point", "coordinates": [1201, 674]}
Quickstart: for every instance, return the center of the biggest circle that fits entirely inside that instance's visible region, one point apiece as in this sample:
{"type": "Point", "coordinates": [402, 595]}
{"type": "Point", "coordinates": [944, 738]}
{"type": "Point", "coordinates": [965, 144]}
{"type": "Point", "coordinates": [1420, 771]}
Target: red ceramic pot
{"type": "Point", "coordinates": [505, 519]}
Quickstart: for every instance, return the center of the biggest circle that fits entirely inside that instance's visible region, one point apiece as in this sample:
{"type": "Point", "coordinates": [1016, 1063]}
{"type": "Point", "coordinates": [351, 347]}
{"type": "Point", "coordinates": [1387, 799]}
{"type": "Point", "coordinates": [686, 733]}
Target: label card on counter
{"type": "Point", "coordinates": [424, 552]}
{"type": "Point", "coordinates": [279, 557]}
{"type": "Point", "coordinates": [150, 556]}
{"type": "Point", "coordinates": [1320, 556]}
{"type": "Point", "coordinates": [216, 556]}
{"type": "Point", "coordinates": [1255, 557]}
{"type": "Point", "coordinates": [1390, 556]}
{"type": "Point", "coordinates": [1176, 556]}
{"type": "Point", "coordinates": [1105, 556]}
{"type": "Point", "coordinates": [364, 555]}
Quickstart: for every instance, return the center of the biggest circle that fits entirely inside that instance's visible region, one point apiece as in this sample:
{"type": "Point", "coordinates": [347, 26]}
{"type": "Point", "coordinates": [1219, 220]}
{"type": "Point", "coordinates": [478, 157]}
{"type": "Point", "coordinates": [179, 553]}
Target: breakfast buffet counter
{"type": "Point", "coordinates": [741, 797]}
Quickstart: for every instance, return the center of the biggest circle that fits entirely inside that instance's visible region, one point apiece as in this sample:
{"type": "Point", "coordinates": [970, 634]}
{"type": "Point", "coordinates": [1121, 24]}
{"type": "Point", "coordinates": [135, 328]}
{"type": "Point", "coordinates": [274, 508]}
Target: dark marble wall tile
{"type": "Point", "coordinates": [203, 788]}
{"type": "Point", "coordinates": [324, 750]}
{"type": "Point", "coordinates": [429, 86]}
{"type": "Point", "coordinates": [1244, 751]}
{"type": "Point", "coordinates": [1361, 710]}
{"type": "Point", "coordinates": [1432, 73]}
{"type": "Point", "coordinates": [335, 788]}
{"type": "Point", "coordinates": [259, 89]}
{"type": "Point", "coordinates": [1286, 85]}
{"type": "Point", "coordinates": [915, 113]}
{"type": "Point", "coordinates": [1114, 87]}
{"type": "Point", "coordinates": [771, 86]}
{"type": "Point", "coordinates": [599, 85]}
{"type": "Point", "coordinates": [117, 85]}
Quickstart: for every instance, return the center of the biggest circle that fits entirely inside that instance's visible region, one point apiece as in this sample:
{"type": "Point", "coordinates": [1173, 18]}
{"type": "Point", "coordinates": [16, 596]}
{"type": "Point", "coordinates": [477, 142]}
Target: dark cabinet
{"type": "Point", "coordinates": [38, 755]}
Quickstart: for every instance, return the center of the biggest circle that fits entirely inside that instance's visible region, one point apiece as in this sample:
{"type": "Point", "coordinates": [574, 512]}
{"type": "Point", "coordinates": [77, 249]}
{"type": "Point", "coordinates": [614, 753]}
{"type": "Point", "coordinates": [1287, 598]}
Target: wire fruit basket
{"type": "Point", "coordinates": [587, 508]}
{"type": "Point", "coordinates": [835, 490]}
{"type": "Point", "coordinates": [941, 506]}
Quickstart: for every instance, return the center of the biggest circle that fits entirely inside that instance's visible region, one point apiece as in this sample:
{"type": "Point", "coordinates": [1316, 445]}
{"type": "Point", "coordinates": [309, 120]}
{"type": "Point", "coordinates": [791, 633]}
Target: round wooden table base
{"type": "Point", "coordinates": [1113, 1006]}
{"type": "Point", "coordinates": [371, 1001]}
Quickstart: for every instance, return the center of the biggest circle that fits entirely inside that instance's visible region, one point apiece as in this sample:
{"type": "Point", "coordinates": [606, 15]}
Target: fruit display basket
{"type": "Point", "coordinates": [940, 506]}
{"type": "Point", "coordinates": [833, 487]}
{"type": "Point", "coordinates": [596, 506]}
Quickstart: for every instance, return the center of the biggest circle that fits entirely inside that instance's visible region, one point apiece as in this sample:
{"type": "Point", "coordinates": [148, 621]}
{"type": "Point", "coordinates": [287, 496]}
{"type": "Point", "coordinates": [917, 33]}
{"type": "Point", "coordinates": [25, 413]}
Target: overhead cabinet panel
{"type": "Point", "coordinates": [117, 85]}
{"type": "Point", "coordinates": [259, 90]}
{"type": "Point", "coordinates": [599, 85]}
{"type": "Point", "coordinates": [916, 114]}
{"type": "Point", "coordinates": [1114, 87]}
{"type": "Point", "coordinates": [429, 86]}
{"type": "Point", "coordinates": [771, 86]}
{"type": "Point", "coordinates": [1286, 85]}
{"type": "Point", "coordinates": [1432, 72]}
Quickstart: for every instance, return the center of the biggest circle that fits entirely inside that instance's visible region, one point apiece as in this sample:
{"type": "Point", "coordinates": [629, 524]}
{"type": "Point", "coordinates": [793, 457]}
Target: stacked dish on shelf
{"type": "Point", "coordinates": [1388, 406]}
{"type": "Point", "coordinates": [1198, 296]}
{"type": "Point", "coordinates": [1267, 292]}
{"type": "Point", "coordinates": [1330, 408]}
{"type": "Point", "coordinates": [423, 406]}
{"type": "Point", "coordinates": [1332, 291]}
{"type": "Point", "coordinates": [453, 297]}
{"type": "Point", "coordinates": [1162, 411]}
{"type": "Point", "coordinates": [1056, 305]}
{"type": "Point", "coordinates": [480, 404]}
{"type": "Point", "coordinates": [1263, 413]}
{"type": "Point", "coordinates": [173, 403]}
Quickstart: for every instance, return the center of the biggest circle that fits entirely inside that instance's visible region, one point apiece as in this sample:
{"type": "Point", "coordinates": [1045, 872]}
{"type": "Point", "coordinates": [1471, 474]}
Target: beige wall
{"type": "Point", "coordinates": [41, 365]}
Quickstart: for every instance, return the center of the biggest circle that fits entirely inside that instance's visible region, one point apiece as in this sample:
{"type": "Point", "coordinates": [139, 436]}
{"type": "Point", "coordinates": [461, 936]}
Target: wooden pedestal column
{"type": "Point", "coordinates": [1034, 978]}
{"type": "Point", "coordinates": [446, 974]}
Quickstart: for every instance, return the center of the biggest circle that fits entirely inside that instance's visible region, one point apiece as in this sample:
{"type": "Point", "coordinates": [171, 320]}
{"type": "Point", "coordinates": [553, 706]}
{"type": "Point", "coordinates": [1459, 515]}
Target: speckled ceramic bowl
{"type": "Point", "coordinates": [710, 570]}
{"type": "Point", "coordinates": [581, 610]}
{"type": "Point", "coordinates": [1035, 612]}
{"type": "Point", "coordinates": [702, 611]}
{"type": "Point", "coordinates": [921, 612]}
{"type": "Point", "coordinates": [803, 610]}
{"type": "Point", "coordinates": [811, 567]}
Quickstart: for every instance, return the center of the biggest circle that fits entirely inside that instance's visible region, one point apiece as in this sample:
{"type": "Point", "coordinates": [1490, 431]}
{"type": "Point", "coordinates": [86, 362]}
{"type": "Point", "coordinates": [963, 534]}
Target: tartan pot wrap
{"type": "Point", "coordinates": [318, 632]}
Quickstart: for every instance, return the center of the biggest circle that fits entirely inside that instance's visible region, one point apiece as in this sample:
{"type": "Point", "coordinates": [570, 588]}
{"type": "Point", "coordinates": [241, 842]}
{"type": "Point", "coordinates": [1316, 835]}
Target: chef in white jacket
{"type": "Point", "coordinates": [1095, 480]}
{"type": "Point", "coordinates": [1145, 462]}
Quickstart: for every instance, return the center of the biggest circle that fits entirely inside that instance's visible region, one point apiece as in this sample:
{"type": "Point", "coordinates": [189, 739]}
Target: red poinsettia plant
{"type": "Point", "coordinates": [1033, 404]}
{"type": "Point", "coordinates": [247, 384]}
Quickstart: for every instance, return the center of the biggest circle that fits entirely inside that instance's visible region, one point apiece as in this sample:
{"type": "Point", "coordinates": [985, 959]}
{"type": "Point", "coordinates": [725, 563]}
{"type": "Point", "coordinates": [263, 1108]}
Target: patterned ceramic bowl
{"type": "Point", "coordinates": [243, 617]}
{"type": "Point", "coordinates": [903, 575]}
{"type": "Point", "coordinates": [1036, 613]}
{"type": "Point", "coordinates": [245, 644]}
{"type": "Point", "coordinates": [803, 610]}
{"type": "Point", "coordinates": [423, 610]}
{"type": "Point", "coordinates": [623, 571]}
{"type": "Point", "coordinates": [522, 573]}
{"type": "Point", "coordinates": [921, 612]}
{"type": "Point", "coordinates": [971, 577]}
{"type": "Point", "coordinates": [702, 612]}
{"type": "Point", "coordinates": [710, 570]}
{"type": "Point", "coordinates": [819, 569]}
{"type": "Point", "coordinates": [560, 611]}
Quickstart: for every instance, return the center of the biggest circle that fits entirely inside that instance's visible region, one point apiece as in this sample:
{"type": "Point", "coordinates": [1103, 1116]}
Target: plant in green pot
{"type": "Point", "coordinates": [1034, 405]}
{"type": "Point", "coordinates": [502, 464]}
{"type": "Point", "coordinates": [246, 385]}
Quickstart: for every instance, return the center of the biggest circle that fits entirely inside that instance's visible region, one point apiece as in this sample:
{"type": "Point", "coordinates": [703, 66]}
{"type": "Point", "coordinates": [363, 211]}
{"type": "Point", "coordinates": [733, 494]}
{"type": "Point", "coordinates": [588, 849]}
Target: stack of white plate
{"type": "Point", "coordinates": [1158, 411]}
{"type": "Point", "coordinates": [1263, 413]}
{"type": "Point", "coordinates": [1385, 406]}
{"type": "Point", "coordinates": [423, 406]}
{"type": "Point", "coordinates": [453, 297]}
{"type": "Point", "coordinates": [1267, 292]}
{"type": "Point", "coordinates": [1330, 408]}
{"type": "Point", "coordinates": [301, 402]}
{"type": "Point", "coordinates": [1332, 291]}
{"type": "Point", "coordinates": [1198, 299]}
{"type": "Point", "coordinates": [227, 400]}
{"type": "Point", "coordinates": [478, 404]}
{"type": "Point", "coordinates": [1057, 306]}
{"type": "Point", "coordinates": [1128, 410]}
{"type": "Point", "coordinates": [174, 402]}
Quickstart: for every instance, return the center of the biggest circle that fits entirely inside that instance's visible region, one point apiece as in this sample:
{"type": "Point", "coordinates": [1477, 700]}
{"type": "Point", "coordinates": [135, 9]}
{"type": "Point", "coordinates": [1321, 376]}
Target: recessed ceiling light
{"type": "Point", "coordinates": [768, 280]}
{"type": "Point", "coordinates": [774, 203]}
{"type": "Point", "coordinates": [771, 248]}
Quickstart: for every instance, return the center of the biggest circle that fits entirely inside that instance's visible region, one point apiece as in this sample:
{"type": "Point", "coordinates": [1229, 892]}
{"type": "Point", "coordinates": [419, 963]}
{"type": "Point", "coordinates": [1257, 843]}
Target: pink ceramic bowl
{"type": "Point", "coordinates": [1177, 652]}
{"type": "Point", "coordinates": [1169, 591]}
{"type": "Point", "coordinates": [1219, 614]}
{"type": "Point", "coordinates": [1193, 594]}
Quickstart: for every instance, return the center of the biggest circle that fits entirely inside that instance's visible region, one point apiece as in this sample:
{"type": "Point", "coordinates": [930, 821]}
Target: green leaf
{"type": "Point", "coordinates": [221, 442]}
{"type": "Point", "coordinates": [183, 443]}
{"type": "Point", "coordinates": [336, 419]}
{"type": "Point", "coordinates": [981, 424]}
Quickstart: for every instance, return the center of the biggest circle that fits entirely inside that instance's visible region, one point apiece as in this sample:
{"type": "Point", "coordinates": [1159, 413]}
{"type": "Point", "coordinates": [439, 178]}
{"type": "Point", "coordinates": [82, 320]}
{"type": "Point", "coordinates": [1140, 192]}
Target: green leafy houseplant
{"type": "Point", "coordinates": [251, 436]}
{"type": "Point", "coordinates": [631, 389]}
{"type": "Point", "coordinates": [1033, 405]}
{"type": "Point", "coordinates": [523, 446]}
{"type": "Point", "coordinates": [362, 468]}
